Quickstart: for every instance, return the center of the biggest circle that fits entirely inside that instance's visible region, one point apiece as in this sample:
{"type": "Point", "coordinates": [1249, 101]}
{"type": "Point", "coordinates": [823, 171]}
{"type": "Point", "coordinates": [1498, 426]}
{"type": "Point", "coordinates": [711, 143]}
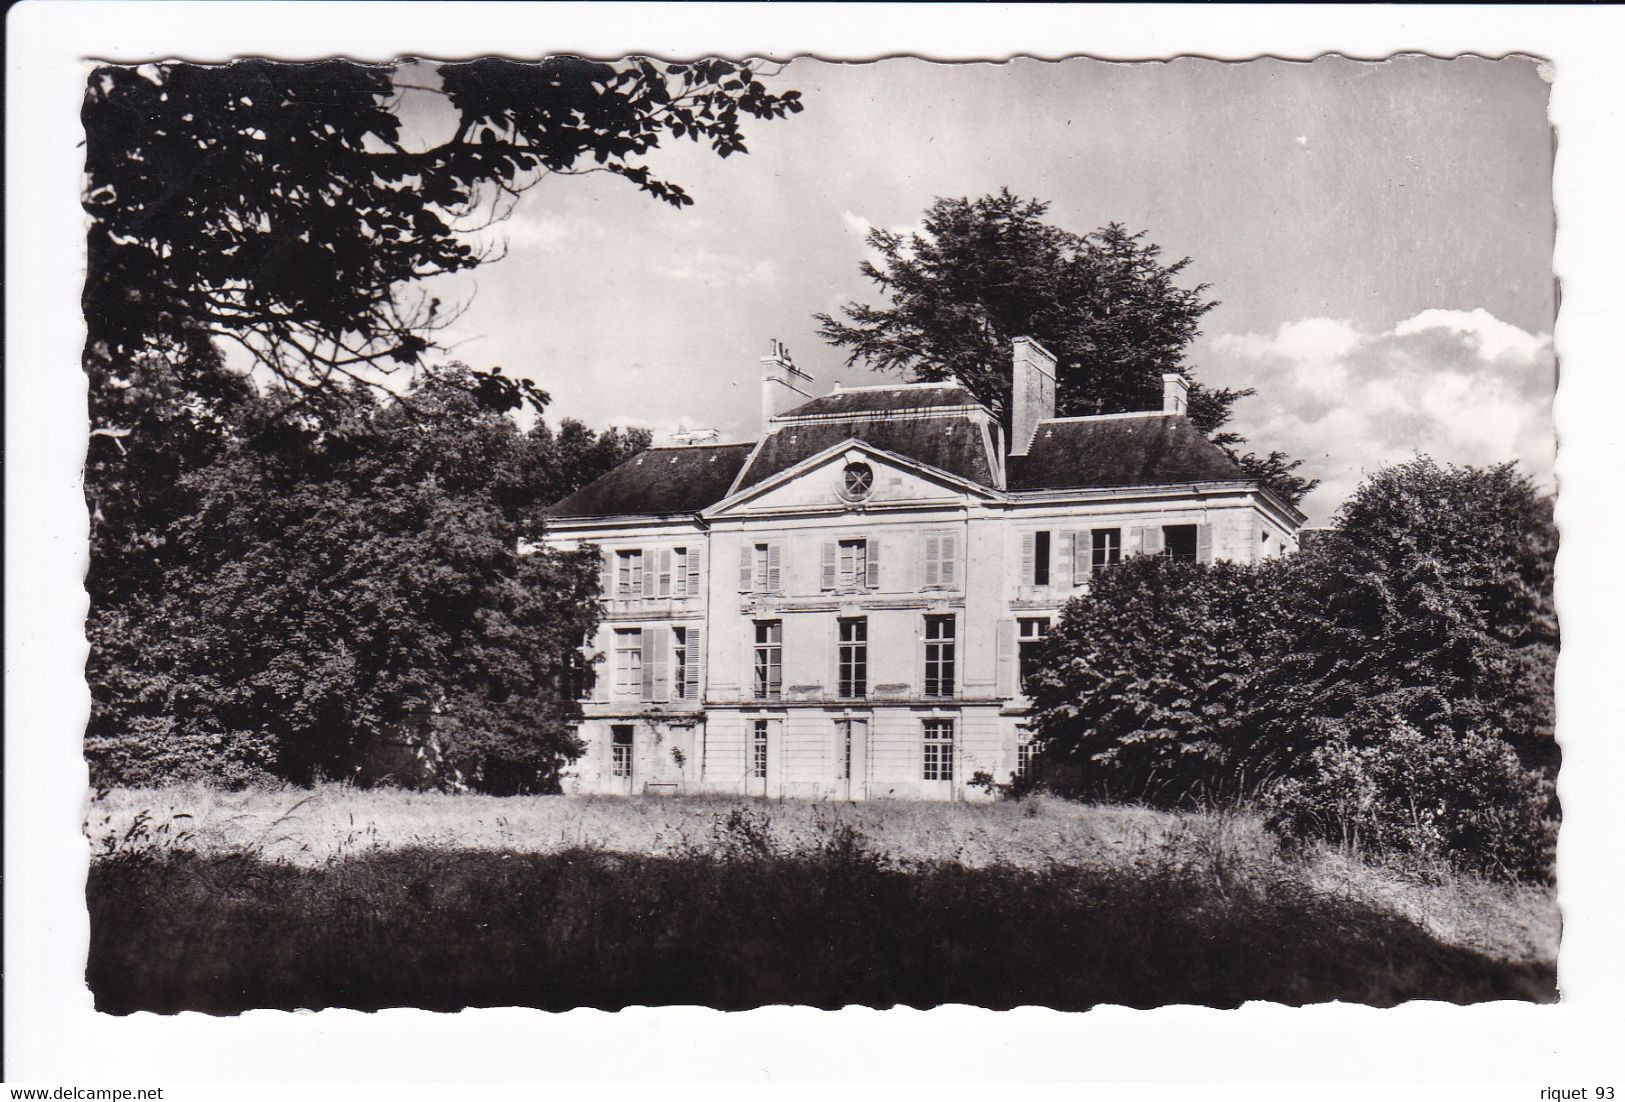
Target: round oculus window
{"type": "Point", "coordinates": [858, 480]}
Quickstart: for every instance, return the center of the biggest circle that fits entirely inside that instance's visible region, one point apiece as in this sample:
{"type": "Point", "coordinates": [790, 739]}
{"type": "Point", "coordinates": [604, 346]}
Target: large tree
{"type": "Point", "coordinates": [291, 209]}
{"type": "Point", "coordinates": [330, 589]}
{"type": "Point", "coordinates": [979, 273]}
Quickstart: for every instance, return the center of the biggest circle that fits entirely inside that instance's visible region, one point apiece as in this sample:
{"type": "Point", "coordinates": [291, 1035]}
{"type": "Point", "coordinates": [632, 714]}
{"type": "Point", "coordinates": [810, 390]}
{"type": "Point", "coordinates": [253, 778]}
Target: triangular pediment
{"type": "Point", "coordinates": [822, 482]}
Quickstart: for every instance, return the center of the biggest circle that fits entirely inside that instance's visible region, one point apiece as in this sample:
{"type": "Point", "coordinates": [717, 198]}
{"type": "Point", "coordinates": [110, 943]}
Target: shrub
{"type": "Point", "coordinates": [1460, 798]}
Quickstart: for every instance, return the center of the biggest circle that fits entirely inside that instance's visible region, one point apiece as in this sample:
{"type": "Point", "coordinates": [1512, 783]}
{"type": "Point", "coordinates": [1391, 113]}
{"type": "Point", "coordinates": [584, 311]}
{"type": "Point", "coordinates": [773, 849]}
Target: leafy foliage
{"type": "Point", "coordinates": [1392, 683]}
{"type": "Point", "coordinates": [332, 590]}
{"type": "Point", "coordinates": [1431, 601]}
{"type": "Point", "coordinates": [980, 273]}
{"type": "Point", "coordinates": [1148, 682]}
{"type": "Point", "coordinates": [289, 208]}
{"type": "Point", "coordinates": [1429, 796]}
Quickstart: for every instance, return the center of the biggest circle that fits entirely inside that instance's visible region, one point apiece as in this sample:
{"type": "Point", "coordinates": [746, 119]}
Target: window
{"type": "Point", "coordinates": [758, 749]}
{"type": "Point", "coordinates": [629, 662]}
{"type": "Point", "coordinates": [1179, 542]}
{"type": "Point", "coordinates": [759, 568]}
{"type": "Point", "coordinates": [939, 656]}
{"type": "Point", "coordinates": [1030, 637]}
{"type": "Point", "coordinates": [620, 752]}
{"type": "Point", "coordinates": [853, 563]}
{"type": "Point", "coordinates": [939, 750]}
{"type": "Point", "coordinates": [852, 658]}
{"type": "Point", "coordinates": [679, 663]}
{"type": "Point", "coordinates": [629, 574]}
{"type": "Point", "coordinates": [843, 746]}
{"type": "Point", "coordinates": [1107, 548]}
{"type": "Point", "coordinates": [941, 553]}
{"type": "Point", "coordinates": [579, 675]}
{"type": "Point", "coordinates": [1041, 558]}
{"type": "Point", "coordinates": [679, 572]}
{"type": "Point", "coordinates": [1026, 752]}
{"type": "Point", "coordinates": [857, 480]}
{"type": "Point", "coordinates": [768, 668]}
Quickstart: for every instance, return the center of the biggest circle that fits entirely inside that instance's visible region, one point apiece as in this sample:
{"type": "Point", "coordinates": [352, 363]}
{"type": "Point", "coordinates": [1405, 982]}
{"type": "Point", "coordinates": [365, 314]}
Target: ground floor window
{"type": "Point", "coordinates": [939, 750]}
{"type": "Point", "coordinates": [758, 749]}
{"type": "Point", "coordinates": [1026, 753]}
{"type": "Point", "coordinates": [620, 752]}
{"type": "Point", "coordinates": [1179, 542]}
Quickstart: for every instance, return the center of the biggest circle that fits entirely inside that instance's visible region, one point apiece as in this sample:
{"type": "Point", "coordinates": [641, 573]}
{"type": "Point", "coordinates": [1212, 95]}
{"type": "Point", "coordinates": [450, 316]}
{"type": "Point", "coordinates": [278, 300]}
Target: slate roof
{"type": "Point", "coordinates": [884, 399]}
{"type": "Point", "coordinates": [658, 482]}
{"type": "Point", "coordinates": [947, 442]}
{"type": "Point", "coordinates": [1102, 452]}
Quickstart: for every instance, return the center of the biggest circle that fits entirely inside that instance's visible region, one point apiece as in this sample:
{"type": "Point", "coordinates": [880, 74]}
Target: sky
{"type": "Point", "coordinates": [1379, 236]}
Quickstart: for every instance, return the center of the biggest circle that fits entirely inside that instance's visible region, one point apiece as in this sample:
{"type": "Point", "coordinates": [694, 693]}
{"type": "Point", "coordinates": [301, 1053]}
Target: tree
{"type": "Point", "coordinates": [1147, 687]}
{"type": "Point", "coordinates": [290, 208]}
{"type": "Point", "coordinates": [982, 272]}
{"type": "Point", "coordinates": [335, 588]}
{"type": "Point", "coordinates": [1430, 601]}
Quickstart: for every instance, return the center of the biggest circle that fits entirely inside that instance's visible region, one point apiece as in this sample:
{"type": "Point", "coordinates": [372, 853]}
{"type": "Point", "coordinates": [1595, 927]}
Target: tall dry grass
{"type": "Point", "coordinates": [221, 901]}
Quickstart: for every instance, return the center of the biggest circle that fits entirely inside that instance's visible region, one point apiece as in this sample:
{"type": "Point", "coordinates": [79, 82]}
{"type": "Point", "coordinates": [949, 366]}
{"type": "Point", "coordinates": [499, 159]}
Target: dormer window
{"type": "Point", "coordinates": [858, 480]}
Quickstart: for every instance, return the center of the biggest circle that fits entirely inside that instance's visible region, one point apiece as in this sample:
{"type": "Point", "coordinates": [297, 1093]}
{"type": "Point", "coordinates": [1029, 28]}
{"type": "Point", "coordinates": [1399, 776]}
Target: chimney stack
{"type": "Point", "coordinates": [1175, 392]}
{"type": "Point", "coordinates": [784, 386]}
{"type": "Point", "coordinates": [1032, 391]}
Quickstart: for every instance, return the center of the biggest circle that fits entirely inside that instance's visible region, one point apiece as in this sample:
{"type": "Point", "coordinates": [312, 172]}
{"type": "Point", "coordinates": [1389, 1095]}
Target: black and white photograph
{"type": "Point", "coordinates": [731, 530]}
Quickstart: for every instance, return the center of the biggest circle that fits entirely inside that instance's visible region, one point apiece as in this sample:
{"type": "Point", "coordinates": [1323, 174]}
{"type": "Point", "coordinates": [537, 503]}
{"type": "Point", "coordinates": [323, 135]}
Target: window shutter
{"type": "Point", "coordinates": [1062, 572]}
{"type": "Point", "coordinates": [872, 569]}
{"type": "Point", "coordinates": [773, 550]}
{"type": "Point", "coordinates": [694, 640]}
{"type": "Point", "coordinates": [665, 572]}
{"type": "Point", "coordinates": [693, 571]}
{"type": "Point", "coordinates": [828, 579]}
{"type": "Point", "coordinates": [659, 685]}
{"type": "Point", "coordinates": [649, 647]}
{"type": "Point", "coordinates": [745, 551]}
{"type": "Point", "coordinates": [1083, 555]}
{"type": "Point", "coordinates": [1028, 557]}
{"type": "Point", "coordinates": [1204, 543]}
{"type": "Point", "coordinates": [606, 573]}
{"type": "Point", "coordinates": [949, 553]}
{"type": "Point", "coordinates": [1151, 540]}
{"type": "Point", "coordinates": [1007, 657]}
{"type": "Point", "coordinates": [933, 562]}
{"type": "Point", "coordinates": [649, 554]}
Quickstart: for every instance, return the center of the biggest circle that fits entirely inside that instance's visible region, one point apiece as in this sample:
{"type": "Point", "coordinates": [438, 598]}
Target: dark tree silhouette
{"type": "Point", "coordinates": [983, 272]}
{"type": "Point", "coordinates": [290, 208]}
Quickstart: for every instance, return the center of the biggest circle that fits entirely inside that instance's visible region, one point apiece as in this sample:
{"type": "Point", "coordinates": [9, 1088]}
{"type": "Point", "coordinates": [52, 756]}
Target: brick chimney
{"type": "Point", "coordinates": [1175, 391]}
{"type": "Point", "coordinates": [1032, 391]}
{"type": "Point", "coordinates": [784, 386]}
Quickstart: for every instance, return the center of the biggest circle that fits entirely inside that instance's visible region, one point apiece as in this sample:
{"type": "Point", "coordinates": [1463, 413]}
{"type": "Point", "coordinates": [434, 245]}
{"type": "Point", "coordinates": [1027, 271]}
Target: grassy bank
{"type": "Point", "coordinates": [370, 900]}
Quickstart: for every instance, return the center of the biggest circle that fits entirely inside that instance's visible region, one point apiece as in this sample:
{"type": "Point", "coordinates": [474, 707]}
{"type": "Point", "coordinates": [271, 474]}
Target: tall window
{"type": "Point", "coordinates": [767, 674]}
{"type": "Point", "coordinates": [939, 750]}
{"type": "Point", "coordinates": [758, 749]}
{"type": "Point", "coordinates": [620, 752]}
{"type": "Point", "coordinates": [1026, 752]}
{"type": "Point", "coordinates": [1041, 558]}
{"type": "Point", "coordinates": [843, 749]}
{"type": "Point", "coordinates": [852, 658]}
{"type": "Point", "coordinates": [853, 563]}
{"type": "Point", "coordinates": [679, 571]}
{"type": "Point", "coordinates": [1031, 639]}
{"type": "Point", "coordinates": [759, 569]}
{"type": "Point", "coordinates": [628, 662]}
{"type": "Point", "coordinates": [629, 574]}
{"type": "Point", "coordinates": [1179, 541]}
{"type": "Point", "coordinates": [679, 663]}
{"type": "Point", "coordinates": [939, 656]}
{"type": "Point", "coordinates": [1107, 548]}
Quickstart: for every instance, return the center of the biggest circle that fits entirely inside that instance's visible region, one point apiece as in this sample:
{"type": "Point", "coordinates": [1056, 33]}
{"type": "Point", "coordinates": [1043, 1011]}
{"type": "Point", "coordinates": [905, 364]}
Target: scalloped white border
{"type": "Point", "coordinates": [53, 1037]}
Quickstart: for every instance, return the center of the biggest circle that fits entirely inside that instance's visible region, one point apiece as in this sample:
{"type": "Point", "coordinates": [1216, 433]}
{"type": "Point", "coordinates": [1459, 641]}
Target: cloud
{"type": "Point", "coordinates": [542, 232]}
{"type": "Point", "coordinates": [1462, 386]}
{"type": "Point", "coordinates": [714, 270]}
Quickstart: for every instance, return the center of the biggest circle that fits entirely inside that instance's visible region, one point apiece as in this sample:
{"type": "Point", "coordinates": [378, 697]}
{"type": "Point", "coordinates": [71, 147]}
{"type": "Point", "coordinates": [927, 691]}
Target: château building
{"type": "Point", "coordinates": [848, 607]}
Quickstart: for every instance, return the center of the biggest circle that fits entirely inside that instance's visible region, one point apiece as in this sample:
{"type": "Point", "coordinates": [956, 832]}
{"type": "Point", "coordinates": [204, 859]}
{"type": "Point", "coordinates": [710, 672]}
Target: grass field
{"type": "Point", "coordinates": [222, 902]}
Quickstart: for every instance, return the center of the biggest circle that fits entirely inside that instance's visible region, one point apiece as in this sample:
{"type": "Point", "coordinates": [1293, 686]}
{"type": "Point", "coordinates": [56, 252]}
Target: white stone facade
{"type": "Point", "coordinates": [851, 627]}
